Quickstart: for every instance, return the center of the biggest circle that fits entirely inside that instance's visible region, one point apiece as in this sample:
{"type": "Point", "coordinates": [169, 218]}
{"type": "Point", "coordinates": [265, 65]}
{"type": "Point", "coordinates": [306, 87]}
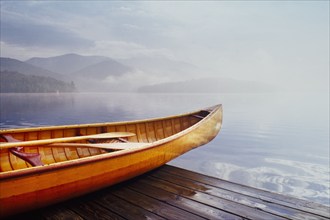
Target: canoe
{"type": "Point", "coordinates": [41, 166]}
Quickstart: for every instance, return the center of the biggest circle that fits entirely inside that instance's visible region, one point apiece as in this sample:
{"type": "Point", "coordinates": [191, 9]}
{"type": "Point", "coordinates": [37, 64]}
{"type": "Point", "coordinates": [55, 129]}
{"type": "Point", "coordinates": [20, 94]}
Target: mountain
{"type": "Point", "coordinates": [12, 82]}
{"type": "Point", "coordinates": [103, 70]}
{"type": "Point", "coordinates": [13, 65]}
{"type": "Point", "coordinates": [82, 69]}
{"type": "Point", "coordinates": [89, 73]}
{"type": "Point", "coordinates": [209, 85]}
{"type": "Point", "coordinates": [67, 63]}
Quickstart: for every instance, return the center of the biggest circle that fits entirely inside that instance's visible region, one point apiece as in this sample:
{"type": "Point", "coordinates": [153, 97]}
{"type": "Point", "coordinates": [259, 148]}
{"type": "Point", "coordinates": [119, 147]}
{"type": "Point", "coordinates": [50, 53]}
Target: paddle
{"type": "Point", "coordinates": [112, 146]}
{"type": "Point", "coordinates": [4, 145]}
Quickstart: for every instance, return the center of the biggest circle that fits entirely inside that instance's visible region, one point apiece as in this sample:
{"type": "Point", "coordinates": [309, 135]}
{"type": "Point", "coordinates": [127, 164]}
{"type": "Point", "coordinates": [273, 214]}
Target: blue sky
{"type": "Point", "coordinates": [270, 41]}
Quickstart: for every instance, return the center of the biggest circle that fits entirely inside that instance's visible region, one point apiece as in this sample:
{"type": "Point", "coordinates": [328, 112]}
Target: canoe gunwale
{"type": "Point", "coordinates": [91, 125]}
{"type": "Point", "coordinates": [96, 158]}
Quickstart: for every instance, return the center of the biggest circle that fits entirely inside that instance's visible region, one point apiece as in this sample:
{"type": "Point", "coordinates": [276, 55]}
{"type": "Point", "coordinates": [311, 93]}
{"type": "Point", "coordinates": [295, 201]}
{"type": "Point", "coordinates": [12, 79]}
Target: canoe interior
{"type": "Point", "coordinates": [146, 131]}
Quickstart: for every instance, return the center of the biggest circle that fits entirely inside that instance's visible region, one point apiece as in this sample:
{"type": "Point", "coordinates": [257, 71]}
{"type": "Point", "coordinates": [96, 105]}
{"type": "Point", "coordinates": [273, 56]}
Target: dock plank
{"type": "Point", "coordinates": [123, 207]}
{"type": "Point", "coordinates": [153, 205]}
{"type": "Point", "coordinates": [252, 202]}
{"type": "Point", "coordinates": [174, 193]}
{"type": "Point", "coordinates": [182, 202]}
{"type": "Point", "coordinates": [57, 213]}
{"type": "Point", "coordinates": [90, 209]}
{"type": "Point", "coordinates": [266, 196]}
{"type": "Point", "coordinates": [212, 201]}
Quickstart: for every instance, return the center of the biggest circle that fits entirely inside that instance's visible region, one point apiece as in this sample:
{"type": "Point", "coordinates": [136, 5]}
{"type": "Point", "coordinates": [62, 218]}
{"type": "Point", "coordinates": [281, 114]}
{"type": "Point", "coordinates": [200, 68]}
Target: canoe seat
{"type": "Point", "coordinates": [34, 159]}
{"type": "Point", "coordinates": [110, 140]}
{"type": "Point", "coordinates": [198, 116]}
{"type": "Point", "coordinates": [202, 114]}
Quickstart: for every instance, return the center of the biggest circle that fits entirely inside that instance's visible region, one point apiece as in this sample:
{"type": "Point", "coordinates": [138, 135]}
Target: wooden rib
{"type": "Point", "coordinates": [159, 130]}
{"type": "Point", "coordinates": [81, 131]}
{"type": "Point", "coordinates": [21, 136]}
{"type": "Point", "coordinates": [155, 130]}
{"type": "Point", "coordinates": [69, 132]}
{"type": "Point", "coordinates": [142, 134]}
{"type": "Point", "coordinates": [146, 139]}
{"type": "Point", "coordinates": [121, 128]}
{"type": "Point", "coordinates": [132, 128]}
{"type": "Point", "coordinates": [32, 135]}
{"type": "Point", "coordinates": [111, 129]}
{"type": "Point", "coordinates": [173, 126]}
{"type": "Point", "coordinates": [9, 160]}
{"type": "Point", "coordinates": [44, 135]}
{"type": "Point", "coordinates": [181, 124]}
{"type": "Point", "coordinates": [138, 133]}
{"type": "Point", "coordinates": [72, 153]}
{"type": "Point", "coordinates": [83, 152]}
{"type": "Point", "coordinates": [163, 128]}
{"type": "Point", "coordinates": [55, 155]}
{"type": "Point", "coordinates": [150, 129]}
{"type": "Point", "coordinates": [61, 154]}
{"type": "Point", "coordinates": [47, 157]}
{"type": "Point", "coordinates": [168, 130]}
{"type": "Point", "coordinates": [42, 154]}
{"type": "Point", "coordinates": [5, 162]}
{"type": "Point", "coordinates": [89, 152]}
{"type": "Point", "coordinates": [17, 163]}
{"type": "Point", "coordinates": [176, 125]}
{"type": "Point", "coordinates": [67, 153]}
{"type": "Point", "coordinates": [191, 121]}
{"type": "Point", "coordinates": [89, 131]}
{"type": "Point", "coordinates": [146, 132]}
{"type": "Point", "coordinates": [185, 121]}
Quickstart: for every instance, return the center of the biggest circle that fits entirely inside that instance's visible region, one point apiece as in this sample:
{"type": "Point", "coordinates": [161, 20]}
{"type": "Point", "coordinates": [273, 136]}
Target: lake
{"type": "Point", "coordinates": [276, 141]}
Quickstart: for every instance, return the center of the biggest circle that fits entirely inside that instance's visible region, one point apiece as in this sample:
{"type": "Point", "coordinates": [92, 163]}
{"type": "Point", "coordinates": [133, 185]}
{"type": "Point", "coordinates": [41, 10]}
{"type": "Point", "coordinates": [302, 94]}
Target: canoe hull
{"type": "Point", "coordinates": [61, 181]}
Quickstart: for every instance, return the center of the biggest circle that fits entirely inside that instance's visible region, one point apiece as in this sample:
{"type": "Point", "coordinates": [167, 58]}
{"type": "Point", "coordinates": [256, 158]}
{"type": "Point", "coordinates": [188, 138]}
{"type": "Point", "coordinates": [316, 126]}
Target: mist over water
{"type": "Point", "coordinates": [274, 141]}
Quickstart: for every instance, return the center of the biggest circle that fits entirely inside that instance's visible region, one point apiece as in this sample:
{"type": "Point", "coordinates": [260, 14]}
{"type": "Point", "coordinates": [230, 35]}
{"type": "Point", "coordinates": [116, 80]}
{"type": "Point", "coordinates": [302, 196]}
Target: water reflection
{"type": "Point", "coordinates": [272, 141]}
{"type": "Point", "coordinates": [283, 176]}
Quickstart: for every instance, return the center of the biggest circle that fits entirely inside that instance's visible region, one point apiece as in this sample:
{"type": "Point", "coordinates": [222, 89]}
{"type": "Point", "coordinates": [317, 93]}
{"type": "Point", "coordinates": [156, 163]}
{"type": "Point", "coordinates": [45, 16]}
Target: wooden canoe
{"type": "Point", "coordinates": [45, 165]}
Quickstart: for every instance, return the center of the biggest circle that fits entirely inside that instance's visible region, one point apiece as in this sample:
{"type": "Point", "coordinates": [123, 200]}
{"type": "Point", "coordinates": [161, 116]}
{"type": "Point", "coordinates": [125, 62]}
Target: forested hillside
{"type": "Point", "coordinates": [17, 82]}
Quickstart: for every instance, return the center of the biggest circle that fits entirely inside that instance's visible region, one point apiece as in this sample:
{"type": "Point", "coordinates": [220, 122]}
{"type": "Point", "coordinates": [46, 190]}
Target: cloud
{"type": "Point", "coordinates": [41, 35]}
{"type": "Point", "coordinates": [123, 49]}
{"type": "Point", "coordinates": [19, 30]}
{"type": "Point", "coordinates": [262, 40]}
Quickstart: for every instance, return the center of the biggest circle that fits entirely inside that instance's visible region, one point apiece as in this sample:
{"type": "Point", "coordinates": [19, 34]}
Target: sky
{"type": "Point", "coordinates": [281, 42]}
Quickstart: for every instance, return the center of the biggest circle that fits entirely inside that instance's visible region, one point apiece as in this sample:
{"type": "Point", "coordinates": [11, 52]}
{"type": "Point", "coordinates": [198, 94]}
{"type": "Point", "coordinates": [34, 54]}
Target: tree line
{"type": "Point", "coordinates": [14, 82]}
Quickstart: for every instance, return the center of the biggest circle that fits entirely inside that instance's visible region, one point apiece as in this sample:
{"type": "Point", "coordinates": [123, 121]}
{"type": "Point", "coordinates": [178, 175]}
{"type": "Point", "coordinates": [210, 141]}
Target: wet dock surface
{"type": "Point", "coordinates": [174, 193]}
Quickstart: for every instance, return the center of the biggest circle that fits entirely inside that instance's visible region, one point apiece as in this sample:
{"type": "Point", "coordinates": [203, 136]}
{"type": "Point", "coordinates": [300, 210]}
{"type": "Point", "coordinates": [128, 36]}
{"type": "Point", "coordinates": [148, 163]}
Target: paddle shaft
{"type": "Point", "coordinates": [5, 145]}
{"type": "Point", "coordinates": [112, 146]}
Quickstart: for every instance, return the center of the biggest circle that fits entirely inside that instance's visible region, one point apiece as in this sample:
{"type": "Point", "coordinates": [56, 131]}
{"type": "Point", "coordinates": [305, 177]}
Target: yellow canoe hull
{"type": "Point", "coordinates": [74, 171]}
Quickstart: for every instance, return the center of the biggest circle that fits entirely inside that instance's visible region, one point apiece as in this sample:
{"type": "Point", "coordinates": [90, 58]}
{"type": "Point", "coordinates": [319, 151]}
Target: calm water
{"type": "Point", "coordinates": [277, 142]}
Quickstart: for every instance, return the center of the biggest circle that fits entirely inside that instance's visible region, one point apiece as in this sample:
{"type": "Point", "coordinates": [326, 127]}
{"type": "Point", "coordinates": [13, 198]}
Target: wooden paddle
{"type": "Point", "coordinates": [4, 145]}
{"type": "Point", "coordinates": [112, 146]}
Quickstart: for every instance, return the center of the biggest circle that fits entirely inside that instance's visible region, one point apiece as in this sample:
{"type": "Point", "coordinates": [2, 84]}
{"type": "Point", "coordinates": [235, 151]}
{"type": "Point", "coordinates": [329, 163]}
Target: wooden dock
{"type": "Point", "coordinates": [174, 193]}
